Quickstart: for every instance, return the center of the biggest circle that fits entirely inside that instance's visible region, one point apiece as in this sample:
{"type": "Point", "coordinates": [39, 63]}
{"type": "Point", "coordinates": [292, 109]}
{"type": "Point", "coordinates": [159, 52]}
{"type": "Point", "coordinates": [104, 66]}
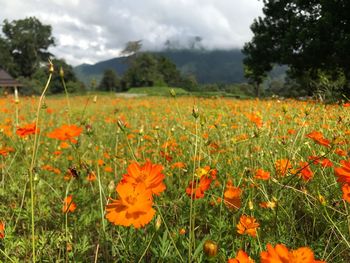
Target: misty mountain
{"type": "Point", "coordinates": [216, 66]}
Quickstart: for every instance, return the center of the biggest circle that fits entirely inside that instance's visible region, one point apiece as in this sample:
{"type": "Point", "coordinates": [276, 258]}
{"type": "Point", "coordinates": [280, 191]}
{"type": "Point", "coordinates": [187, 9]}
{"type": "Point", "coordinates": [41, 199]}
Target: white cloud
{"type": "Point", "coordinates": [94, 30]}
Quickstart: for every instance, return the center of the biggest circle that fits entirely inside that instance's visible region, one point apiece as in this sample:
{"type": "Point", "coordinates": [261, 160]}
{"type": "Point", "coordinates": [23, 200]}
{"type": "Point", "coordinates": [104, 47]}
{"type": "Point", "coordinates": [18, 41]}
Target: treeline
{"type": "Point", "coordinates": [311, 37]}
{"type": "Point", "coordinates": [24, 54]}
{"type": "Point", "coordinates": [146, 70]}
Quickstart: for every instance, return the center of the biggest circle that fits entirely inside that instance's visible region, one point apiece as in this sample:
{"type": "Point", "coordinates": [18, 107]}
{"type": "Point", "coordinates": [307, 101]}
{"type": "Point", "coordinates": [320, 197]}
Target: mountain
{"type": "Point", "coordinates": [217, 66]}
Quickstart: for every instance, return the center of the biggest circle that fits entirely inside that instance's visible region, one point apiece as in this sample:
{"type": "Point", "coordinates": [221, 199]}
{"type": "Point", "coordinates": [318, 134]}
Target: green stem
{"type": "Point", "coordinates": [192, 221]}
{"type": "Point", "coordinates": [67, 98]}
{"type": "Point", "coordinates": [31, 169]}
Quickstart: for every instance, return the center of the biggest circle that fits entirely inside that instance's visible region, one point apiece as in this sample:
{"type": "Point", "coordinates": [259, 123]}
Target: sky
{"type": "Point", "coordinates": [88, 31]}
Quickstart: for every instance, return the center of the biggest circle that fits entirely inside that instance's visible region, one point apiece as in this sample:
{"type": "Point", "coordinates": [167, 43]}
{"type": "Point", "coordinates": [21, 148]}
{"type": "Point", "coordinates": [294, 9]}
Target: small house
{"type": "Point", "coordinates": [7, 82]}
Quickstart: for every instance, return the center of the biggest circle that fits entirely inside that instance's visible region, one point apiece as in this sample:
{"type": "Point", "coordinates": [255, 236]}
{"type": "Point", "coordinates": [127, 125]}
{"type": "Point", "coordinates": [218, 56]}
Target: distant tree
{"type": "Point", "coordinates": [131, 48]}
{"type": "Point", "coordinates": [6, 59]}
{"type": "Point", "coordinates": [171, 75]}
{"type": "Point", "coordinates": [109, 81]}
{"type": "Point", "coordinates": [72, 83]}
{"type": "Point", "coordinates": [143, 72]}
{"type": "Point", "coordinates": [39, 78]}
{"type": "Point", "coordinates": [28, 41]}
{"type": "Point", "coordinates": [189, 82]}
{"type": "Point", "coordinates": [196, 43]}
{"type": "Point", "coordinates": [308, 36]}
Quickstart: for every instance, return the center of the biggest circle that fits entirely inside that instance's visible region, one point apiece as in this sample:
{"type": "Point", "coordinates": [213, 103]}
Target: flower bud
{"type": "Point", "coordinates": [111, 187]}
{"type": "Point", "coordinates": [195, 112]}
{"type": "Point", "coordinates": [158, 222]}
{"type": "Point", "coordinates": [61, 72]}
{"type": "Point", "coordinates": [172, 93]}
{"type": "Point", "coordinates": [51, 68]}
{"type": "Point", "coordinates": [210, 248]}
{"type": "Point", "coordinates": [121, 124]}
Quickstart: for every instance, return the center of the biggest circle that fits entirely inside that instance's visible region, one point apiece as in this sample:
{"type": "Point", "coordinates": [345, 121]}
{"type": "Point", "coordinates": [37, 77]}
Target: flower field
{"type": "Point", "coordinates": [173, 179]}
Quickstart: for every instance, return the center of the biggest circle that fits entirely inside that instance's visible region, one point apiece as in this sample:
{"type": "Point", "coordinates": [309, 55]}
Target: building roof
{"type": "Point", "coordinates": [6, 80]}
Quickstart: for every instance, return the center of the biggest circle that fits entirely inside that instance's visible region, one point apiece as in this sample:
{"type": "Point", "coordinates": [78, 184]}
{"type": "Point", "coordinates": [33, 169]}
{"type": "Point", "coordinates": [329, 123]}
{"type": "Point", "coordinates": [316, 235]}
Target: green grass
{"type": "Point", "coordinates": [227, 136]}
{"type": "Point", "coordinates": [157, 91]}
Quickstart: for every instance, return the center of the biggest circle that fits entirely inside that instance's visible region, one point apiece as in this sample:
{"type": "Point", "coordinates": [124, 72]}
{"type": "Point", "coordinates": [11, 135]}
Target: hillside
{"type": "Point", "coordinates": [218, 66]}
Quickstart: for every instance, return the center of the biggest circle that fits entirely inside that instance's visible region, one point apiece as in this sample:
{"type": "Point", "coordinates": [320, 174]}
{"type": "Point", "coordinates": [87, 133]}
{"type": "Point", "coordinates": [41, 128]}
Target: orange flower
{"type": "Point", "coordinates": [305, 172]}
{"type": "Point", "coordinates": [182, 231]}
{"type": "Point", "coordinates": [325, 162]}
{"type": "Point", "coordinates": [4, 151]}
{"type": "Point", "coordinates": [343, 172]}
{"type": "Point", "coordinates": [148, 174]}
{"type": "Point", "coordinates": [68, 204]}
{"type": "Point", "coordinates": [179, 165]}
{"type": "Point", "coordinates": [280, 254]}
{"type": "Point", "coordinates": [340, 152]}
{"type": "Point", "coordinates": [66, 133]}
{"type": "Point", "coordinates": [27, 130]}
{"type": "Point", "coordinates": [247, 225]}
{"type": "Point", "coordinates": [134, 206]}
{"type": "Point", "coordinates": [108, 169]}
{"type": "Point", "coordinates": [2, 230]}
{"type": "Point", "coordinates": [262, 175]}
{"type": "Point", "coordinates": [346, 192]}
{"type": "Point", "coordinates": [282, 167]}
{"type": "Point", "coordinates": [318, 138]}
{"type": "Point", "coordinates": [91, 177]}
{"type": "Point", "coordinates": [232, 197]}
{"type": "Point", "coordinates": [241, 257]}
{"type": "Point", "coordinates": [256, 119]}
{"type": "Point", "coordinates": [196, 189]}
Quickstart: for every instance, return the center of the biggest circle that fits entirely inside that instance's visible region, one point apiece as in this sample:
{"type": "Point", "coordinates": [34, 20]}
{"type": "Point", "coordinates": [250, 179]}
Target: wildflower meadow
{"type": "Point", "coordinates": [99, 178]}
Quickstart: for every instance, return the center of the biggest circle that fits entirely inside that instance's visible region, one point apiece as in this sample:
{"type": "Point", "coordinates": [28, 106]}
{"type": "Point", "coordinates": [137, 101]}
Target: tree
{"type": "Point", "coordinates": [171, 75]}
{"type": "Point", "coordinates": [109, 81]}
{"type": "Point", "coordinates": [6, 60]}
{"type": "Point", "coordinates": [306, 35]}
{"type": "Point", "coordinates": [143, 72]}
{"type": "Point", "coordinates": [131, 48]}
{"type": "Point", "coordinates": [27, 41]}
{"type": "Point", "coordinates": [39, 78]}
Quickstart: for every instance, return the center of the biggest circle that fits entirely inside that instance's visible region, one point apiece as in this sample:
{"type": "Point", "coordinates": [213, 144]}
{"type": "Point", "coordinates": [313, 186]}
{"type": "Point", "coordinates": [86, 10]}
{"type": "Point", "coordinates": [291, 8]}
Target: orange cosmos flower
{"type": "Point", "coordinates": [91, 177]}
{"type": "Point", "coordinates": [2, 230]}
{"type": "Point", "coordinates": [340, 152]}
{"type": "Point", "coordinates": [68, 204]}
{"type": "Point", "coordinates": [27, 130]}
{"type": "Point", "coordinates": [196, 189]}
{"type": "Point", "coordinates": [179, 165]}
{"type": "Point", "coordinates": [4, 151]}
{"type": "Point", "coordinates": [134, 206]}
{"type": "Point", "coordinates": [280, 254]}
{"type": "Point", "coordinates": [325, 162]}
{"type": "Point", "coordinates": [149, 174]}
{"type": "Point", "coordinates": [241, 257]}
{"type": "Point", "coordinates": [305, 172]}
{"type": "Point", "coordinates": [66, 133]}
{"type": "Point", "coordinates": [256, 119]}
{"type": "Point", "coordinates": [247, 225]}
{"type": "Point", "coordinates": [343, 172]}
{"type": "Point", "coordinates": [318, 138]}
{"type": "Point", "coordinates": [346, 192]}
{"type": "Point", "coordinates": [232, 197]}
{"type": "Point", "coordinates": [282, 167]}
{"type": "Point", "coordinates": [262, 175]}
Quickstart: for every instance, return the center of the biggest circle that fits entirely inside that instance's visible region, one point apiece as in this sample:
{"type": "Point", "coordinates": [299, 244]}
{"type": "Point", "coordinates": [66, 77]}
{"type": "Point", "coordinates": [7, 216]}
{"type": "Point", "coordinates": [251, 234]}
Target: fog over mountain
{"type": "Point", "coordinates": [96, 30]}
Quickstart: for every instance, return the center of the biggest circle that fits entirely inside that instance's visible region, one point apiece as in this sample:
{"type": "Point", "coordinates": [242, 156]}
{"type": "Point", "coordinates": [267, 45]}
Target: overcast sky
{"type": "Point", "coordinates": [88, 31]}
